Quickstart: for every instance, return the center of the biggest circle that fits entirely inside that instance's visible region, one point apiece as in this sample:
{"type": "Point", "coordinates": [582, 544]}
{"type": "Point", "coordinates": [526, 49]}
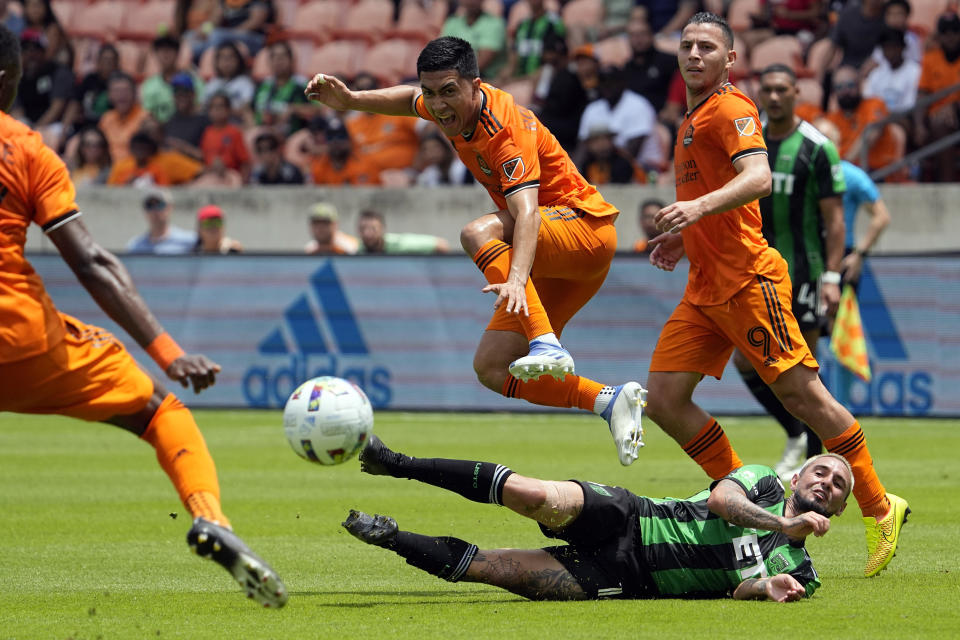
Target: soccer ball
{"type": "Point", "coordinates": [327, 420]}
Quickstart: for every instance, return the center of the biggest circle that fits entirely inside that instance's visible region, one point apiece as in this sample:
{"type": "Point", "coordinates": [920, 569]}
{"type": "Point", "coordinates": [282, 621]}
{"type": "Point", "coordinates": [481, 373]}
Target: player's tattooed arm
{"type": "Point", "coordinates": [729, 501]}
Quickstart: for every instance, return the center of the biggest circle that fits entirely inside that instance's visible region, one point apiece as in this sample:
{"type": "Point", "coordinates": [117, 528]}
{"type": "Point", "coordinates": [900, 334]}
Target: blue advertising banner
{"type": "Point", "coordinates": [405, 328]}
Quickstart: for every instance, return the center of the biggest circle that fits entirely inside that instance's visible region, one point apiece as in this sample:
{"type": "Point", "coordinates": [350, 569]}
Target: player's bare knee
{"type": "Point", "coordinates": [562, 504]}
{"type": "Point", "coordinates": [473, 236]}
{"type": "Point", "coordinates": [524, 495]}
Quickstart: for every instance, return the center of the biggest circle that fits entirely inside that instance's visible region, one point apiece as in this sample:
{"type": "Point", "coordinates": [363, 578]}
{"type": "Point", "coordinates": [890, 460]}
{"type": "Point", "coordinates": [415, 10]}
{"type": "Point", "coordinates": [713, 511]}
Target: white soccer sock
{"type": "Point", "coordinates": [549, 338]}
{"type": "Point", "coordinates": [603, 399]}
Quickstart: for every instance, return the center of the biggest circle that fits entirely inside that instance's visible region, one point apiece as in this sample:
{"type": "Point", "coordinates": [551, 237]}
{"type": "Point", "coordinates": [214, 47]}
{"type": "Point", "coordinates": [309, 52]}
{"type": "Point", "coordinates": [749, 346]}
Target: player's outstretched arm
{"type": "Point", "coordinates": [780, 588]}
{"type": "Point", "coordinates": [390, 101]}
{"type": "Point", "coordinates": [110, 285]}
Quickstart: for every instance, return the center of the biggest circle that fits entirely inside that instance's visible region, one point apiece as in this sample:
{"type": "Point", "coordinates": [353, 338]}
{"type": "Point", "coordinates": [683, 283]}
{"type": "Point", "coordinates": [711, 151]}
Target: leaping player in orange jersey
{"type": "Point", "coordinates": [738, 292]}
{"type": "Point", "coordinates": [52, 363]}
{"type": "Point", "coordinates": [545, 252]}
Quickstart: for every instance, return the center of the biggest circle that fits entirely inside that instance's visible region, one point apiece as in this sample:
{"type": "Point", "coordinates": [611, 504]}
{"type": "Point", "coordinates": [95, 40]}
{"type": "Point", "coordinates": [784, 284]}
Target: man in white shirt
{"type": "Point", "coordinates": [896, 78]}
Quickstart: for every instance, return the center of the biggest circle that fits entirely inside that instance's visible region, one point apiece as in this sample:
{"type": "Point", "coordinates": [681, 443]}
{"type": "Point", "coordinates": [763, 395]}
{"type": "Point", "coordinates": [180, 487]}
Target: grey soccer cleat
{"type": "Point", "coordinates": [623, 415]}
{"type": "Point", "coordinates": [377, 530]}
{"type": "Point", "coordinates": [543, 359]}
{"type": "Point", "coordinates": [256, 578]}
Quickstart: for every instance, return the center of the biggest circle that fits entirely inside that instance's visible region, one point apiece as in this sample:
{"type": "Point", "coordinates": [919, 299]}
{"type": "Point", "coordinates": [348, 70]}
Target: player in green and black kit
{"type": "Point", "coordinates": [803, 220]}
{"type": "Point", "coordinates": [739, 538]}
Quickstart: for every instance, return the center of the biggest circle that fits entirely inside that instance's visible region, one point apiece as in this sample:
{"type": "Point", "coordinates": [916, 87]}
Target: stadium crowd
{"type": "Point", "coordinates": [210, 92]}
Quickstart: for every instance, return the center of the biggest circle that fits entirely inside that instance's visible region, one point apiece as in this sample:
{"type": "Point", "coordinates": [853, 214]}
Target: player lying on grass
{"type": "Point", "coordinates": [741, 537]}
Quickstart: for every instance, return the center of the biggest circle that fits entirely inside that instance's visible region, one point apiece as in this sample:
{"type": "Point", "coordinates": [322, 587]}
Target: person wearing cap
{"type": "Point", "coordinates": [185, 127]}
{"type": "Point", "coordinates": [211, 235]}
{"type": "Point", "coordinates": [156, 92]}
{"type": "Point", "coordinates": [327, 237]}
{"type": "Point", "coordinates": [161, 237]}
{"type": "Point", "coordinates": [270, 167]}
{"type": "Point", "coordinates": [338, 162]}
{"type": "Point", "coordinates": [587, 67]}
{"type": "Point", "coordinates": [894, 80]}
{"type": "Point", "coordinates": [941, 69]}
{"type": "Point", "coordinates": [45, 86]}
{"type": "Point", "coordinates": [602, 162]}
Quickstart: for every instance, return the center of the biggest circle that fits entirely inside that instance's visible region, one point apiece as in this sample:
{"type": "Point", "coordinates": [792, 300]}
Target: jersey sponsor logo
{"type": "Point", "coordinates": [778, 564]}
{"type": "Point", "coordinates": [599, 489]}
{"type": "Point", "coordinates": [483, 165]}
{"type": "Point", "coordinates": [318, 336]}
{"type": "Point", "coordinates": [746, 126]}
{"type": "Point", "coordinates": [513, 169]}
{"type": "Point", "coordinates": [688, 136]}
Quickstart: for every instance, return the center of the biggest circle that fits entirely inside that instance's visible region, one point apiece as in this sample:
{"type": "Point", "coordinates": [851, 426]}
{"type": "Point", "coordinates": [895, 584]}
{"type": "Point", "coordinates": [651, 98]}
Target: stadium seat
{"type": "Point", "coordinates": [64, 10]}
{"type": "Point", "coordinates": [391, 60]}
{"type": "Point", "coordinates": [583, 13]}
{"type": "Point", "coordinates": [395, 178]}
{"type": "Point", "coordinates": [416, 23]}
{"type": "Point", "coordinates": [367, 20]}
{"type": "Point", "coordinates": [924, 15]}
{"type": "Point", "coordinates": [260, 68]}
{"type": "Point", "coordinates": [778, 49]}
{"type": "Point", "coordinates": [809, 91]}
{"type": "Point", "coordinates": [100, 20]}
{"type": "Point", "coordinates": [738, 14]}
{"type": "Point", "coordinates": [148, 20]}
{"type": "Point", "coordinates": [613, 51]}
{"type": "Point", "coordinates": [741, 68]}
{"type": "Point", "coordinates": [316, 20]}
{"type": "Point", "coordinates": [521, 90]}
{"type": "Point", "coordinates": [133, 57]}
{"type": "Point", "coordinates": [341, 58]}
{"type": "Point", "coordinates": [818, 57]}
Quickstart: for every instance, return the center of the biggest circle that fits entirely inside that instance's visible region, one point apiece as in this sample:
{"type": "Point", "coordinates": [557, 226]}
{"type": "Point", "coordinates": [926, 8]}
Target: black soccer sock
{"type": "Point", "coordinates": [445, 557]}
{"type": "Point", "coordinates": [478, 481]}
{"type": "Point", "coordinates": [814, 446]}
{"type": "Point", "coordinates": [766, 397]}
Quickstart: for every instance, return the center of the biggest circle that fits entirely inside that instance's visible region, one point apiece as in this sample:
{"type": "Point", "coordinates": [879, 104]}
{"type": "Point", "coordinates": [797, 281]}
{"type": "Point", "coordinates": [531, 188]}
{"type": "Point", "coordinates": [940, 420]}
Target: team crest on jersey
{"type": "Point", "coordinates": [688, 136]}
{"type": "Point", "coordinates": [513, 169]}
{"type": "Point", "coordinates": [746, 126]}
{"type": "Point", "coordinates": [483, 165]}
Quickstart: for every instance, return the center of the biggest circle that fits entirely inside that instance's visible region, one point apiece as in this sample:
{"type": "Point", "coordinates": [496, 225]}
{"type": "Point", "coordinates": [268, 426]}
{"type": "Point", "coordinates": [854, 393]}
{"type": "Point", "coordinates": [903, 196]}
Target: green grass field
{"type": "Point", "coordinates": [89, 547]}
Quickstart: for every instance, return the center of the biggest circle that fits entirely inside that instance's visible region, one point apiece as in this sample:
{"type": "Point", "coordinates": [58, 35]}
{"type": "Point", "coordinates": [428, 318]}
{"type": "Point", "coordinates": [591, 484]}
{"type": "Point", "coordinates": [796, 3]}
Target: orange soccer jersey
{"type": "Point", "coordinates": [884, 149]}
{"type": "Point", "coordinates": [511, 150]}
{"type": "Point", "coordinates": [34, 187]}
{"type": "Point", "coordinates": [726, 250]}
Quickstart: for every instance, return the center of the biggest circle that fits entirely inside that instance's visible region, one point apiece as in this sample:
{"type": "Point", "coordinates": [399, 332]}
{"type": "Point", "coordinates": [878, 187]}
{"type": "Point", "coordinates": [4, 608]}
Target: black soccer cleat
{"type": "Point", "coordinates": [375, 457]}
{"type": "Point", "coordinates": [377, 530]}
{"type": "Point", "coordinates": [256, 578]}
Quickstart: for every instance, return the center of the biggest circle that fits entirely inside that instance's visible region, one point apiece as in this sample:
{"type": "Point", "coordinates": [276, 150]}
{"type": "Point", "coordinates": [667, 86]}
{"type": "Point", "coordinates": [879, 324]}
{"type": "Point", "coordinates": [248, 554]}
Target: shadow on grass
{"type": "Point", "coordinates": [410, 598]}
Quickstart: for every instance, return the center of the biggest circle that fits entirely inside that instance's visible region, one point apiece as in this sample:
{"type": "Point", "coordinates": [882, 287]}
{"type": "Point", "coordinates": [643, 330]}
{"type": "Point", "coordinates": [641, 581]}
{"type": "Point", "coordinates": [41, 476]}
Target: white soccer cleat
{"type": "Point", "coordinates": [623, 415]}
{"type": "Point", "coordinates": [794, 455]}
{"type": "Point", "coordinates": [544, 359]}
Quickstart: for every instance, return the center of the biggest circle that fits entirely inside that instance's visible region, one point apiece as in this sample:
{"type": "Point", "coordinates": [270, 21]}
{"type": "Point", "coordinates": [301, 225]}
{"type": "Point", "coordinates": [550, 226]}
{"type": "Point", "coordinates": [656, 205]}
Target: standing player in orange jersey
{"type": "Point", "coordinates": [545, 252]}
{"type": "Point", "coordinates": [51, 363]}
{"type": "Point", "coordinates": [739, 292]}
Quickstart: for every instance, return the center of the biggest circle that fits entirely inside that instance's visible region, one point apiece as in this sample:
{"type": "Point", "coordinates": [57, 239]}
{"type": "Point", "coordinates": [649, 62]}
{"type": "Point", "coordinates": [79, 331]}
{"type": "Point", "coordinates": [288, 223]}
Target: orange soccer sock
{"type": "Point", "coordinates": [183, 455]}
{"type": "Point", "coordinates": [493, 260]}
{"type": "Point", "coordinates": [867, 488]}
{"type": "Point", "coordinates": [572, 391]}
{"type": "Point", "coordinates": [711, 449]}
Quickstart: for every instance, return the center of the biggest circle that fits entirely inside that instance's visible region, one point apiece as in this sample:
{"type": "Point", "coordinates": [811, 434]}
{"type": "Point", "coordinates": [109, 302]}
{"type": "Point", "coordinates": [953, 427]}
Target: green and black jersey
{"type": "Point", "coordinates": [806, 168]}
{"type": "Point", "coordinates": [689, 551]}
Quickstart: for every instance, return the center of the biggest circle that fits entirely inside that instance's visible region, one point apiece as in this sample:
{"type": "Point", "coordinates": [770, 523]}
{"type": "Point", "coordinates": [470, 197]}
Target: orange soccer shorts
{"type": "Point", "coordinates": [574, 252]}
{"type": "Point", "coordinates": [88, 375]}
{"type": "Point", "coordinates": [757, 320]}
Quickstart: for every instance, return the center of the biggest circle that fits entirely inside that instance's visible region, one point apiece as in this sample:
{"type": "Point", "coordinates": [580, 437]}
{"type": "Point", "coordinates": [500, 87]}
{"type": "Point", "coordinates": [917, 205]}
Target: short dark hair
{"type": "Point", "coordinates": [894, 3]}
{"type": "Point", "coordinates": [705, 17]}
{"type": "Point", "coordinates": [652, 202]}
{"type": "Point", "coordinates": [446, 53]}
{"type": "Point", "coordinates": [779, 67]}
{"type": "Point", "coordinates": [166, 41]}
{"type": "Point", "coordinates": [9, 50]}
{"type": "Point", "coordinates": [267, 136]}
{"type": "Point", "coordinates": [370, 214]}
{"type": "Point", "coordinates": [123, 77]}
{"type": "Point", "coordinates": [142, 138]}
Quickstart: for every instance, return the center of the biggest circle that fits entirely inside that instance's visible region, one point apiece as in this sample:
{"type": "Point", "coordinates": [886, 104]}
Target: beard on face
{"type": "Point", "coordinates": [803, 505]}
{"type": "Point", "coordinates": [848, 102]}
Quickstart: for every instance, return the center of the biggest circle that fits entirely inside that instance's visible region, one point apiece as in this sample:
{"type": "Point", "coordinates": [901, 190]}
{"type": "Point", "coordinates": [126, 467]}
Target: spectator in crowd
{"type": "Point", "coordinates": [231, 78]}
{"type": "Point", "coordinates": [161, 237]}
{"type": "Point", "coordinates": [90, 163]}
{"type": "Point", "coordinates": [941, 69]}
{"type": "Point", "coordinates": [525, 54]}
{"type": "Point", "coordinates": [894, 80]}
{"type": "Point", "coordinates": [279, 100]}
{"type": "Point", "coordinates": [211, 234]}
{"type": "Point", "coordinates": [648, 70]}
{"type": "Point", "coordinates": [675, 108]}
{"type": "Point", "coordinates": [124, 118]}
{"type": "Point", "coordinates": [223, 144]}
{"type": "Point", "coordinates": [857, 31]}
{"type": "Point", "coordinates": [628, 115]}
{"type": "Point", "coordinates": [271, 168]}
{"type": "Point", "coordinates": [646, 218]}
{"type": "Point", "coordinates": [387, 142]}
{"type": "Point", "coordinates": [896, 15]}
{"type": "Point", "coordinates": [602, 162]}
{"type": "Point", "coordinates": [336, 162]}
{"type": "Point", "coordinates": [558, 96]}
{"type": "Point", "coordinates": [156, 92]}
{"type": "Point", "coordinates": [374, 238]}
{"type": "Point", "coordinates": [805, 19]}
{"type": "Point", "coordinates": [45, 85]}
{"type": "Point", "coordinates": [38, 15]}
{"type": "Point", "coordinates": [12, 20]}
{"type": "Point", "coordinates": [191, 17]}
{"type": "Point", "coordinates": [185, 127]}
{"type": "Point", "coordinates": [438, 165]}
{"type": "Point", "coordinates": [244, 21]}
{"type": "Point", "coordinates": [587, 67]}
{"type": "Point", "coordinates": [90, 98]}
{"type": "Point", "coordinates": [667, 17]}
{"type": "Point", "coordinates": [853, 115]}
{"type": "Point", "coordinates": [486, 33]}
{"type": "Point", "coordinates": [149, 162]}
{"type": "Point", "coordinates": [326, 237]}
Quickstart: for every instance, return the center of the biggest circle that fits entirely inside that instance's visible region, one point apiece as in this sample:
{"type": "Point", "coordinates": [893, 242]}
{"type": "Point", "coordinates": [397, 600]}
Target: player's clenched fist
{"type": "Point", "coordinates": [330, 91]}
{"type": "Point", "coordinates": [195, 369]}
